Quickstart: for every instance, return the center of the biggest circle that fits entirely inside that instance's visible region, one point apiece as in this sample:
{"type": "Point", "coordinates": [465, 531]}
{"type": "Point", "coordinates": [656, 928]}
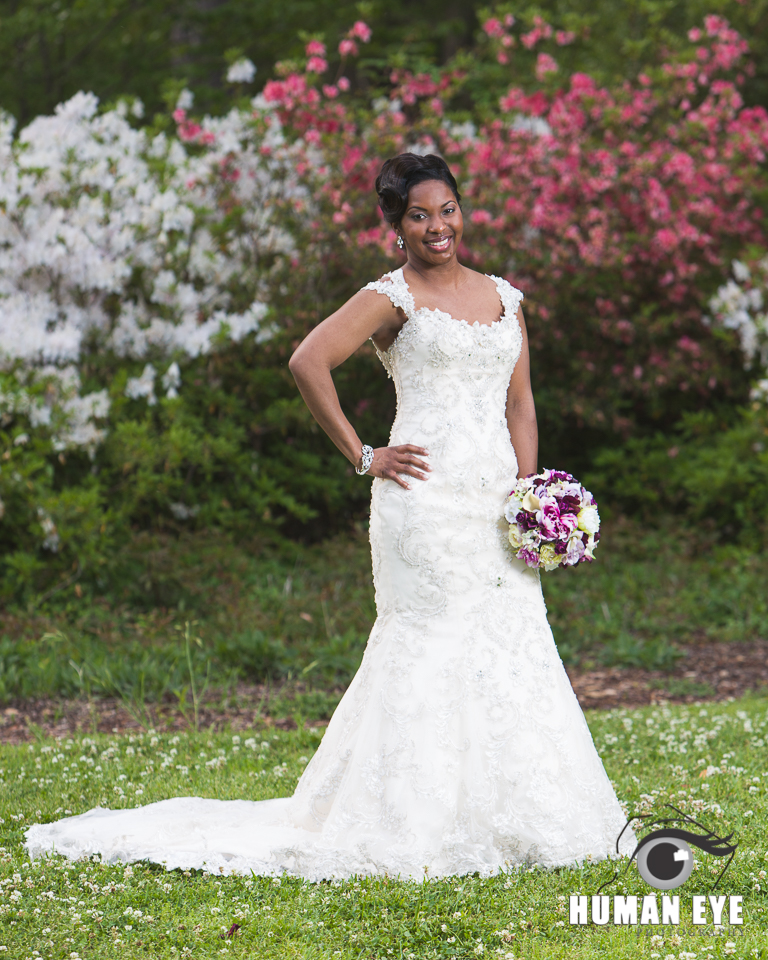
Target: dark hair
{"type": "Point", "coordinates": [400, 173]}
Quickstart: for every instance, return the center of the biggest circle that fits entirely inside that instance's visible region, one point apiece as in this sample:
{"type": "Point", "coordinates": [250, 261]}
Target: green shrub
{"type": "Point", "coordinates": [710, 471]}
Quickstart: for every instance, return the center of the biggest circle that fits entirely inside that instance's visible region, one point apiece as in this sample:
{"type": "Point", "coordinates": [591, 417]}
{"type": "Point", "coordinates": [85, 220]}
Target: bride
{"type": "Point", "coordinates": [459, 746]}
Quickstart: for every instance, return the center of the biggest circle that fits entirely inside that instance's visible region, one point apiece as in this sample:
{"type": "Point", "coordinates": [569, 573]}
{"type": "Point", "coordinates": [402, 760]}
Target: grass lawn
{"type": "Point", "coordinates": [283, 611]}
{"type": "Point", "coordinates": [59, 909]}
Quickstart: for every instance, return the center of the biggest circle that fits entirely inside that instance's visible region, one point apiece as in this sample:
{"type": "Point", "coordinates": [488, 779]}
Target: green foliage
{"type": "Point", "coordinates": [712, 471]}
{"type": "Point", "coordinates": [648, 754]}
{"type": "Point", "coordinates": [275, 612]}
{"type": "Point", "coordinates": [50, 49]}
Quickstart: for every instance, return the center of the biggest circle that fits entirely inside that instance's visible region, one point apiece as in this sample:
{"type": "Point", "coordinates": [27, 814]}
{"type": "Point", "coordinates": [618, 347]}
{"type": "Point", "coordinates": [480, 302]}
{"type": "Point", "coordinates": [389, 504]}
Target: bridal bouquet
{"type": "Point", "coordinates": [553, 520]}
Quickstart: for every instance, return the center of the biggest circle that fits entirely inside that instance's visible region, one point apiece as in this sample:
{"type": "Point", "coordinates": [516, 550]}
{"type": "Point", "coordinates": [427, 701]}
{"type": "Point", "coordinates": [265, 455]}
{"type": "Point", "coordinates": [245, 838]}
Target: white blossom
{"type": "Point", "coordinates": [106, 243]}
{"type": "Point", "coordinates": [50, 533]}
{"type": "Point", "coordinates": [172, 381]}
{"type": "Point", "coordinates": [182, 512]}
{"type": "Point", "coordinates": [740, 305]}
{"type": "Point", "coordinates": [241, 71]}
{"type": "Point", "coordinates": [185, 100]}
{"type": "Point", "coordinates": [144, 386]}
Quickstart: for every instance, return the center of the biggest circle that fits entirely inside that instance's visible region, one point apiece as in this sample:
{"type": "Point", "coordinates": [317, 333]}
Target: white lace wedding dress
{"type": "Point", "coordinates": [459, 745]}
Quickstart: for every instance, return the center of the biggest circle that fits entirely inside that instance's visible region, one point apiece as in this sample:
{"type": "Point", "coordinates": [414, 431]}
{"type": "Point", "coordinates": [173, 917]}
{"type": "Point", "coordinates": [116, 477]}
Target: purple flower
{"type": "Point", "coordinates": [526, 521]}
{"type": "Point", "coordinates": [569, 504]}
{"type": "Point", "coordinates": [530, 556]}
{"type": "Point", "coordinates": [575, 551]}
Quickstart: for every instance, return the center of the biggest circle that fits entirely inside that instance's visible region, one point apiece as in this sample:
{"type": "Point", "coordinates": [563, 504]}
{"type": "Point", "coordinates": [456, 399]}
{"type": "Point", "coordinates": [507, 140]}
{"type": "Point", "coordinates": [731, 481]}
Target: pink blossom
{"type": "Point", "coordinates": [690, 346]}
{"type": "Point", "coordinates": [315, 49]}
{"type": "Point", "coordinates": [361, 30]}
{"type": "Point", "coordinates": [317, 65]}
{"type": "Point", "coordinates": [481, 216]}
{"type": "Point", "coordinates": [564, 37]}
{"type": "Point", "coordinates": [342, 83]}
{"type": "Point", "coordinates": [330, 91]}
{"type": "Point", "coordinates": [493, 27]}
{"type": "Point", "coordinates": [582, 83]}
{"type": "Point", "coordinates": [714, 24]}
{"type": "Point", "coordinates": [348, 48]}
{"type": "Point", "coordinates": [545, 64]}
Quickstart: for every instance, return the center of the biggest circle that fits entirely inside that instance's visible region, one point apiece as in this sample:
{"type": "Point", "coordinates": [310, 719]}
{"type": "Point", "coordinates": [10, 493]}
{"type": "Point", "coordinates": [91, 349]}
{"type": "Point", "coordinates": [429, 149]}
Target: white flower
{"type": "Point", "coordinates": [242, 71]}
{"type": "Point", "coordinates": [740, 271]}
{"type": "Point", "coordinates": [172, 381]}
{"type": "Point", "coordinates": [531, 502]}
{"type": "Point", "coordinates": [182, 512]}
{"type": "Point", "coordinates": [185, 100]}
{"type": "Point", "coordinates": [589, 519]}
{"type": "Point", "coordinates": [143, 386]}
{"type": "Point", "coordinates": [50, 533]}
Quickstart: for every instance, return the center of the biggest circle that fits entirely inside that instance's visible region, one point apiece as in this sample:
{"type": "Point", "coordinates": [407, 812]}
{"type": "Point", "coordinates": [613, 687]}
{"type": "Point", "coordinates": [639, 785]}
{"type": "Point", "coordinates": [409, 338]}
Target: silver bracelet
{"type": "Point", "coordinates": [367, 460]}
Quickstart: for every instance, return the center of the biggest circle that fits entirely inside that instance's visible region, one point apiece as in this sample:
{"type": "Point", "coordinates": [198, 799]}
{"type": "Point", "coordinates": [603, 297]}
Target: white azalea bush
{"type": "Point", "coordinates": [128, 257]}
{"type": "Point", "coordinates": [741, 304]}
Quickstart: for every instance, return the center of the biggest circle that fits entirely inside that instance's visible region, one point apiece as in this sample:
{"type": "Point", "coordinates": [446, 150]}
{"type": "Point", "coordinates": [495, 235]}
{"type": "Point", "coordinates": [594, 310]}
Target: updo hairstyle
{"type": "Point", "coordinates": [400, 173]}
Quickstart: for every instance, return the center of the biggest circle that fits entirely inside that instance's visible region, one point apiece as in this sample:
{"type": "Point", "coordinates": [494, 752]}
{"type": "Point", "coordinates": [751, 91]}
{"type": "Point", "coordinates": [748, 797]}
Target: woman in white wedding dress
{"type": "Point", "coordinates": [459, 746]}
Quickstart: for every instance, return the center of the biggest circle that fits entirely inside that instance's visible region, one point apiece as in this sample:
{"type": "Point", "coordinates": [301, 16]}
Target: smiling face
{"type": "Point", "coordinates": [432, 223]}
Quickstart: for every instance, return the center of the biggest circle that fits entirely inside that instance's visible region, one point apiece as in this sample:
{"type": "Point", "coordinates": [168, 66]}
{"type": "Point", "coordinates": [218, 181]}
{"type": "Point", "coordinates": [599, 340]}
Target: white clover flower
{"type": "Point", "coordinates": [242, 71]}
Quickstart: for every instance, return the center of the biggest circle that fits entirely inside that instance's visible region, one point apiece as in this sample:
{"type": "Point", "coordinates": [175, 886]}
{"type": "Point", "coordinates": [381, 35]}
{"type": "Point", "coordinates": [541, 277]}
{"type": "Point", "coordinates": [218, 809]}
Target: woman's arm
{"type": "Point", "coordinates": [364, 315]}
{"type": "Point", "coordinates": [521, 410]}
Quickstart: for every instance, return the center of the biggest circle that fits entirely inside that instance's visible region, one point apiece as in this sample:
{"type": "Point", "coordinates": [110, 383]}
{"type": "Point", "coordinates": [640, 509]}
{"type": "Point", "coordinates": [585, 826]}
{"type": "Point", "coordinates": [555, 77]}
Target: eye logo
{"type": "Point", "coordinates": [664, 856]}
{"type": "Point", "coordinates": [663, 861]}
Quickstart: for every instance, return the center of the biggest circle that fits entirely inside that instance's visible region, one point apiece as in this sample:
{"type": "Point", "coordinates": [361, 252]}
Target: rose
{"type": "Point", "coordinates": [515, 537]}
{"type": "Point", "coordinates": [549, 558]}
{"type": "Point", "coordinates": [589, 519]}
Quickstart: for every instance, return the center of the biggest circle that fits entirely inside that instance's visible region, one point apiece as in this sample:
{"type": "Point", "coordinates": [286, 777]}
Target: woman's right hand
{"type": "Point", "coordinates": [390, 462]}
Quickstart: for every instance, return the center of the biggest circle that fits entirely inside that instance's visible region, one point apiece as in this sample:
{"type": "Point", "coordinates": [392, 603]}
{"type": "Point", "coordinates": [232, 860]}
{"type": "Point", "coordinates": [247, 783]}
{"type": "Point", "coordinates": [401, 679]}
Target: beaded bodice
{"type": "Point", "coordinates": [451, 379]}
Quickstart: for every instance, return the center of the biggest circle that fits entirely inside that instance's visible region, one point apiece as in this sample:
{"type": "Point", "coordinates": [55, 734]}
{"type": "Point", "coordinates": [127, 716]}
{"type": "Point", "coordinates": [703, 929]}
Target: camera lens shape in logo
{"type": "Point", "coordinates": [665, 862]}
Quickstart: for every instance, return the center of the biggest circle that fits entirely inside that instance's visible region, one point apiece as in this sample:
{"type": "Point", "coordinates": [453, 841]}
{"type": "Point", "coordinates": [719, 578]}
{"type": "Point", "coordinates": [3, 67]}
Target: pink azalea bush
{"type": "Point", "coordinates": [616, 210]}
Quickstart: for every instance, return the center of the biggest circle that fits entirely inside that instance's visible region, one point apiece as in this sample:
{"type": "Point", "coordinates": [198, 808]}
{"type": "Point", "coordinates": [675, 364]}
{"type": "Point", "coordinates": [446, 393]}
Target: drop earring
{"type": "Point", "coordinates": [400, 242]}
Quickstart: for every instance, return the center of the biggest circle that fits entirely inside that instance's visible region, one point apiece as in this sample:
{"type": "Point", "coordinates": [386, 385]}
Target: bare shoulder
{"type": "Point", "coordinates": [477, 279]}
